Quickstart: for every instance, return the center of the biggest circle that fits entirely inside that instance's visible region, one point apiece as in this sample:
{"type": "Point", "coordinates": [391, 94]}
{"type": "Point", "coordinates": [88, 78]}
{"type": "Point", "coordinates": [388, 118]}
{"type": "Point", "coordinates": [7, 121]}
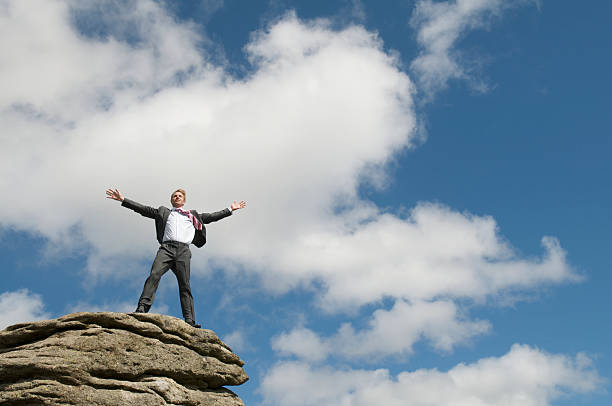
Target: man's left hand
{"type": "Point", "coordinates": [238, 205]}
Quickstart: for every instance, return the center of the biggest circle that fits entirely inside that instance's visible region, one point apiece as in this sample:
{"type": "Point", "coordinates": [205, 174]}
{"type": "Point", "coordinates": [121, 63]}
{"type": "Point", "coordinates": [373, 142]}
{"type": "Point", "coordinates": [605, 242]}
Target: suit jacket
{"type": "Point", "coordinates": [160, 215]}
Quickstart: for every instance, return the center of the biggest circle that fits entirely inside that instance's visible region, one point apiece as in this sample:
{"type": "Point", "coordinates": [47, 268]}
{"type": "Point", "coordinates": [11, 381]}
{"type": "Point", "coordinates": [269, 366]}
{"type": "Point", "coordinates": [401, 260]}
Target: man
{"type": "Point", "coordinates": [176, 228]}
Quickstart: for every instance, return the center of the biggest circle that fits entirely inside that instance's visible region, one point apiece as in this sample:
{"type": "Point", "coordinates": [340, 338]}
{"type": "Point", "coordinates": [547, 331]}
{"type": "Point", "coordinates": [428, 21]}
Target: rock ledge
{"type": "Point", "coordinates": [116, 359]}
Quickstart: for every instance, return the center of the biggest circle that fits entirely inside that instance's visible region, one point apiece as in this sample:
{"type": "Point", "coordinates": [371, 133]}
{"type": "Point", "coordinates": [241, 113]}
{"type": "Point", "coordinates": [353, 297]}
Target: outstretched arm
{"type": "Point", "coordinates": [114, 194]}
{"type": "Point", "coordinates": [218, 215]}
{"type": "Point", "coordinates": [130, 204]}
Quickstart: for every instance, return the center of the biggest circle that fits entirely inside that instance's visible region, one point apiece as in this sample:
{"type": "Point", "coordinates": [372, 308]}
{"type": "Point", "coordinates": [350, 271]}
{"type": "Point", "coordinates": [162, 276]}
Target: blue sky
{"type": "Point", "coordinates": [427, 186]}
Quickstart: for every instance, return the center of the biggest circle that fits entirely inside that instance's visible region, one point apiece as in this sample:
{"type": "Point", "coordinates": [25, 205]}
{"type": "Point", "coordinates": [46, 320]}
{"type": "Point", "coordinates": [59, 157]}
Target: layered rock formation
{"type": "Point", "coordinates": [116, 359]}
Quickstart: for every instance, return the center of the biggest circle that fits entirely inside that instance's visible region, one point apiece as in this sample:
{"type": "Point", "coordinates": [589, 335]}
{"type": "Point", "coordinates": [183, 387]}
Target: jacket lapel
{"type": "Point", "coordinates": [165, 213]}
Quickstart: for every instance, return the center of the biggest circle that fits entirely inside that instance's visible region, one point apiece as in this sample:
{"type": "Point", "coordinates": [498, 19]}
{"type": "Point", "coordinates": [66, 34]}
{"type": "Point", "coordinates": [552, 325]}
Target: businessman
{"type": "Point", "coordinates": [176, 228]}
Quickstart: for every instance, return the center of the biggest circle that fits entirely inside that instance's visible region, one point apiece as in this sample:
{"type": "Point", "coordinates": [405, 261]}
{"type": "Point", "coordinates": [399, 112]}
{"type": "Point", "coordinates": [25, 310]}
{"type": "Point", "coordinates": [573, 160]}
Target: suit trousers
{"type": "Point", "coordinates": [176, 256]}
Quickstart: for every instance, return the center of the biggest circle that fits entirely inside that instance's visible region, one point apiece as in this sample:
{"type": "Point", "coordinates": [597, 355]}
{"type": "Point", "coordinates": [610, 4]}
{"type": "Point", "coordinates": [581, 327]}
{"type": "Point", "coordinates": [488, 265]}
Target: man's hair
{"type": "Point", "coordinates": [179, 190]}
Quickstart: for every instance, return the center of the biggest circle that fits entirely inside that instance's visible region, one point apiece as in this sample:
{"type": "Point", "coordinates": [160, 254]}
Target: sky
{"type": "Point", "coordinates": [427, 186]}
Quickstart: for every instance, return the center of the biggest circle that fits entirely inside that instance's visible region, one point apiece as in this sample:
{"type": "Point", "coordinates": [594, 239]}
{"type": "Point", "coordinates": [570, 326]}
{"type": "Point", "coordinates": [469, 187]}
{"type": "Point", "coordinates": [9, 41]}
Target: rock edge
{"type": "Point", "coordinates": [116, 358]}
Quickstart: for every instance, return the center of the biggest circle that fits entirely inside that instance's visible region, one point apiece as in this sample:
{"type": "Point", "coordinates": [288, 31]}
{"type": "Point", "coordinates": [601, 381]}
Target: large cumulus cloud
{"type": "Point", "coordinates": [322, 111]}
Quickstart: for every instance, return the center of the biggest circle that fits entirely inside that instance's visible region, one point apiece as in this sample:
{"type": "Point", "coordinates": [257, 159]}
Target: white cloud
{"type": "Point", "coordinates": [237, 341]}
{"type": "Point", "coordinates": [56, 77]}
{"type": "Point", "coordinates": [303, 343]}
{"type": "Point", "coordinates": [322, 111]}
{"type": "Point", "coordinates": [20, 306]}
{"type": "Point", "coordinates": [439, 25]}
{"type": "Point", "coordinates": [389, 332]}
{"type": "Point", "coordinates": [434, 252]}
{"type": "Point", "coordinates": [523, 377]}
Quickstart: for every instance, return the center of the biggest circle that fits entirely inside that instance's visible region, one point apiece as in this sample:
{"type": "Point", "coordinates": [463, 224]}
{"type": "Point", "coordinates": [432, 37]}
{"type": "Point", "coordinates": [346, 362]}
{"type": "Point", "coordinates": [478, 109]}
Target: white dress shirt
{"type": "Point", "coordinates": [179, 227]}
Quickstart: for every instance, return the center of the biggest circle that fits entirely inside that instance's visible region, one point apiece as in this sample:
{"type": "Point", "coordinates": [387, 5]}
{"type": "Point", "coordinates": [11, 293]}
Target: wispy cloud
{"type": "Point", "coordinates": [440, 25]}
{"type": "Point", "coordinates": [389, 333]}
{"type": "Point", "coordinates": [238, 341]}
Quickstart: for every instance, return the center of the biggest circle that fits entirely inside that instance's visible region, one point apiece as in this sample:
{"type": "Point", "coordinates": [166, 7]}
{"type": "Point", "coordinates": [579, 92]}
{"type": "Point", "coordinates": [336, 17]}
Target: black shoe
{"type": "Point", "coordinates": [193, 324]}
{"type": "Point", "coordinates": [140, 309]}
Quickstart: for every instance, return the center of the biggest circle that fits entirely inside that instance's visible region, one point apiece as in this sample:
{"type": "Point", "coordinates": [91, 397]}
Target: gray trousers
{"type": "Point", "coordinates": [176, 256]}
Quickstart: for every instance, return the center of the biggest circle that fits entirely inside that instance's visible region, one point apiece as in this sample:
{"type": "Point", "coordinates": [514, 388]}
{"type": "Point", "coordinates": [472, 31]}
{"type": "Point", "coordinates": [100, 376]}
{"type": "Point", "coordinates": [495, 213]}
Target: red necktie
{"type": "Point", "coordinates": [194, 220]}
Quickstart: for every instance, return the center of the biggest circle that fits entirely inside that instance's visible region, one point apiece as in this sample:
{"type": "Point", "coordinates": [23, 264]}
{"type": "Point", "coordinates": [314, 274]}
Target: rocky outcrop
{"type": "Point", "coordinates": [116, 359]}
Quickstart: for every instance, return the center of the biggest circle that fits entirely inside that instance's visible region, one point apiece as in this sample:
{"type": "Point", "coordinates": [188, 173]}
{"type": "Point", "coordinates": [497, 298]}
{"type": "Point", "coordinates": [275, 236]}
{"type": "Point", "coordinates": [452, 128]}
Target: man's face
{"type": "Point", "coordinates": [177, 199]}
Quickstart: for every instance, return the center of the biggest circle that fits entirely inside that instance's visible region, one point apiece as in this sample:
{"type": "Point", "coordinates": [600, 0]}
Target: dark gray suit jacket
{"type": "Point", "coordinates": [160, 215]}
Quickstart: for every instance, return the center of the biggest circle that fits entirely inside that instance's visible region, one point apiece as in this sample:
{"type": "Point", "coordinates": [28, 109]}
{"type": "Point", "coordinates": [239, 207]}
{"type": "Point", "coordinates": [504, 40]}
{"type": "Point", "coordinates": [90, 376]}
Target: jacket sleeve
{"type": "Point", "coordinates": [146, 211]}
{"type": "Point", "coordinates": [206, 218]}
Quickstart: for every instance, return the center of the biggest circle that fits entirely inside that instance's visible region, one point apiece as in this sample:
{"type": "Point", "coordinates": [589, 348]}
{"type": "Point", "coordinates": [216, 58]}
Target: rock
{"type": "Point", "coordinates": [116, 359]}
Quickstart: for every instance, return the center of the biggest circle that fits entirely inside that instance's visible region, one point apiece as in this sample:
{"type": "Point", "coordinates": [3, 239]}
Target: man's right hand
{"type": "Point", "coordinates": [114, 194]}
